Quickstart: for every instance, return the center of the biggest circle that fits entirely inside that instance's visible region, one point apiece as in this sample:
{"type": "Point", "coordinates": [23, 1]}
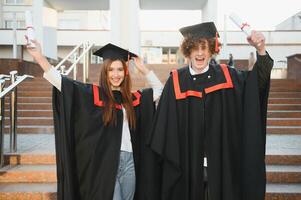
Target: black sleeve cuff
{"type": "Point", "coordinates": [265, 61]}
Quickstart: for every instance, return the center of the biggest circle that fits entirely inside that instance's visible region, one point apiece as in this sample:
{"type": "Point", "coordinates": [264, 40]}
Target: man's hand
{"type": "Point", "coordinates": [257, 40]}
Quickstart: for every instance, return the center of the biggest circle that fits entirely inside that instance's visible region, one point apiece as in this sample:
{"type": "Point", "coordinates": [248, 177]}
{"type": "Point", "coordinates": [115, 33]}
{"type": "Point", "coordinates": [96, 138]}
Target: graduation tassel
{"type": "Point", "coordinates": [216, 43]}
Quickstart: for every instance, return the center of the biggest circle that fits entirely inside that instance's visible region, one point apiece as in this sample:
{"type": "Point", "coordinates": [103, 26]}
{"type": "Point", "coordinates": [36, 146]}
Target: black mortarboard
{"type": "Point", "coordinates": [203, 30]}
{"type": "Point", "coordinates": [111, 51]}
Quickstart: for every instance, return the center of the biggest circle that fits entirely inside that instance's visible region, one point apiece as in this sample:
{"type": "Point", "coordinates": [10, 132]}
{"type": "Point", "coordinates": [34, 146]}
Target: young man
{"type": "Point", "coordinates": [209, 129]}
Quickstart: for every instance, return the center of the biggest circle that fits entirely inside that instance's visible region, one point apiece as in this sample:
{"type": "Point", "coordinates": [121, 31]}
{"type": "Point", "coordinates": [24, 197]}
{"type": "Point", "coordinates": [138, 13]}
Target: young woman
{"type": "Point", "coordinates": [100, 131]}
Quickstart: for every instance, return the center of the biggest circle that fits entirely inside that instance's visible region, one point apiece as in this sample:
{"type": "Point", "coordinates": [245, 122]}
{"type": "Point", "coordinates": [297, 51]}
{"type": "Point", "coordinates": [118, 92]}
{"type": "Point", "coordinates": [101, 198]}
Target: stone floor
{"type": "Point", "coordinates": [44, 144]}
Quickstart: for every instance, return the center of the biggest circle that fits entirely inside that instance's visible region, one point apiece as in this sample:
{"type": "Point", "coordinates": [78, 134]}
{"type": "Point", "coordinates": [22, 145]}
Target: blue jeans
{"type": "Point", "coordinates": [125, 179]}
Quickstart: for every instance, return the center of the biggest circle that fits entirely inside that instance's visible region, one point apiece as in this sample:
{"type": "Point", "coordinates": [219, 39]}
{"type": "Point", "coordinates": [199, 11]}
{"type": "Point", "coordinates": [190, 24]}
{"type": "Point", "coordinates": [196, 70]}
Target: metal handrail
{"type": "Point", "coordinates": [4, 76]}
{"type": "Point", "coordinates": [15, 81]}
{"type": "Point", "coordinates": [78, 59]}
{"type": "Point", "coordinates": [84, 55]}
{"type": "Point", "coordinates": [19, 80]}
{"type": "Point", "coordinates": [67, 57]}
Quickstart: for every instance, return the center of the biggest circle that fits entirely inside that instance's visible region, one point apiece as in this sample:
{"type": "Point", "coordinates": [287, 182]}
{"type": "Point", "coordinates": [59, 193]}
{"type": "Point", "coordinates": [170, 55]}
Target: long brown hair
{"type": "Point", "coordinates": [109, 111]}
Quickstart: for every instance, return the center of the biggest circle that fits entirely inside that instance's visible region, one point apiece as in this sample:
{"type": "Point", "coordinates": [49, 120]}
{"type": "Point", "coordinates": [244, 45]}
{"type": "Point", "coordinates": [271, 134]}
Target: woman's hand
{"type": "Point", "coordinates": [140, 66]}
{"type": "Point", "coordinates": [36, 53]}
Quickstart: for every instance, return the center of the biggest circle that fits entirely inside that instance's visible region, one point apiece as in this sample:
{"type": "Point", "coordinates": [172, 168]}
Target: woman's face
{"type": "Point", "coordinates": [200, 57]}
{"type": "Point", "coordinates": [116, 74]}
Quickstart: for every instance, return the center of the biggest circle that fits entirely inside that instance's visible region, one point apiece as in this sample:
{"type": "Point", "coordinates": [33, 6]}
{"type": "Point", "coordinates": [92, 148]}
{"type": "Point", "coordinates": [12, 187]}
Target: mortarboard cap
{"type": "Point", "coordinates": [203, 30]}
{"type": "Point", "coordinates": [111, 51]}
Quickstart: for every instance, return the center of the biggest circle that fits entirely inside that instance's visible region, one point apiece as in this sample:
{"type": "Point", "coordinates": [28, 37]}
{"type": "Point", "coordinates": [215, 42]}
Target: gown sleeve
{"type": "Point", "coordinates": [163, 139]}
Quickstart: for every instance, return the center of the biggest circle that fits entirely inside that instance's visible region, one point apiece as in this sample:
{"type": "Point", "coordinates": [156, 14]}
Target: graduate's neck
{"type": "Point", "coordinates": [115, 88]}
{"type": "Point", "coordinates": [194, 70]}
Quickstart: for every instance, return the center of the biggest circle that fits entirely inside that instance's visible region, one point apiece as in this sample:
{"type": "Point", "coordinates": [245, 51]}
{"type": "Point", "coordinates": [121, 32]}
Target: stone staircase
{"type": "Point", "coordinates": [31, 173]}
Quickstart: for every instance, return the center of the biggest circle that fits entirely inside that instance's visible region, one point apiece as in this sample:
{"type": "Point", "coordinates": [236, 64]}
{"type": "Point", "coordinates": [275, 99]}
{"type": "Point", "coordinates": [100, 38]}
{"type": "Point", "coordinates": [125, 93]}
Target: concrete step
{"type": "Point", "coordinates": [284, 114]}
{"type": "Point", "coordinates": [29, 159]}
{"type": "Point", "coordinates": [283, 145]}
{"type": "Point", "coordinates": [285, 107]}
{"type": "Point", "coordinates": [32, 106]}
{"type": "Point", "coordinates": [284, 100]}
{"type": "Point", "coordinates": [31, 100]}
{"type": "Point", "coordinates": [33, 121]}
{"type": "Point", "coordinates": [47, 191]}
{"type": "Point", "coordinates": [285, 89]}
{"type": "Point", "coordinates": [28, 174]}
{"type": "Point", "coordinates": [283, 173]}
{"type": "Point", "coordinates": [26, 129]}
{"type": "Point", "coordinates": [28, 191]}
{"type": "Point", "coordinates": [285, 95]}
{"type": "Point", "coordinates": [284, 130]}
{"type": "Point", "coordinates": [283, 159]}
{"type": "Point", "coordinates": [35, 94]}
{"type": "Point", "coordinates": [31, 113]}
{"type": "Point", "coordinates": [35, 86]}
{"type": "Point", "coordinates": [283, 192]}
{"type": "Point", "coordinates": [284, 122]}
{"type": "Point", "coordinates": [48, 159]}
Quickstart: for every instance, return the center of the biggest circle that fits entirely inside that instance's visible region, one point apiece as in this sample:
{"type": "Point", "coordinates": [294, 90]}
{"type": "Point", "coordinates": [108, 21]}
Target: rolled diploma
{"type": "Point", "coordinates": [29, 28]}
{"type": "Point", "coordinates": [242, 25]}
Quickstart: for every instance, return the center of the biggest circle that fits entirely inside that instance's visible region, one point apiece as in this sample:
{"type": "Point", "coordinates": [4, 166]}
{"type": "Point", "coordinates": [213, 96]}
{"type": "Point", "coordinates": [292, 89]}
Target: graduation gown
{"type": "Point", "coordinates": [87, 152]}
{"type": "Point", "coordinates": [220, 114]}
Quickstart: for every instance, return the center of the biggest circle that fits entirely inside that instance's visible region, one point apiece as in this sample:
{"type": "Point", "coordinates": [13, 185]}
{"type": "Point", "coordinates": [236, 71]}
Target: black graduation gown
{"type": "Point", "coordinates": [87, 152]}
{"type": "Point", "coordinates": [220, 114]}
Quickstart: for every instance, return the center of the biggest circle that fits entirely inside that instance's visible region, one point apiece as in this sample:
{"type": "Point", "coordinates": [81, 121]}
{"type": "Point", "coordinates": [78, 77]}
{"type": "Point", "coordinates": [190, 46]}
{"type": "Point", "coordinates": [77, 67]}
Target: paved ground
{"type": "Point", "coordinates": [44, 144]}
{"type": "Point", "coordinates": [32, 143]}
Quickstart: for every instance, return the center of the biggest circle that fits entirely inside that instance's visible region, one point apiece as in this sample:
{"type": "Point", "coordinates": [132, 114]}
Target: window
{"type": "Point", "coordinates": [9, 2]}
{"type": "Point", "coordinates": [17, 2]}
{"type": "Point", "coordinates": [8, 24]}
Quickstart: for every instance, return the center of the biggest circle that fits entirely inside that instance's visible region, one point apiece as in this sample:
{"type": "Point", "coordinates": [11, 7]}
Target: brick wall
{"type": "Point", "coordinates": [23, 67]}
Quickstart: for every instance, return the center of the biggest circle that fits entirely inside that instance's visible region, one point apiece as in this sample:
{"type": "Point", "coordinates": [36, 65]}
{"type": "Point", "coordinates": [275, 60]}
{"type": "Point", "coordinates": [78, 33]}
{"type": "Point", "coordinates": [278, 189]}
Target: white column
{"type": "Point", "coordinates": [14, 35]}
{"type": "Point", "coordinates": [125, 30]}
{"type": "Point", "coordinates": [45, 24]}
{"type": "Point", "coordinates": [37, 15]}
{"type": "Point", "coordinates": [209, 11]}
{"type": "Point", "coordinates": [1, 15]}
{"type": "Point", "coordinates": [224, 51]}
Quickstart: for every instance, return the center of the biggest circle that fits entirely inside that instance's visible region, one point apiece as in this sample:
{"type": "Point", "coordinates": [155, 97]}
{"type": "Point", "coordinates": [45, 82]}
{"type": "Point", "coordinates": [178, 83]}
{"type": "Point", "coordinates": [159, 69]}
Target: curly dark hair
{"type": "Point", "coordinates": [191, 43]}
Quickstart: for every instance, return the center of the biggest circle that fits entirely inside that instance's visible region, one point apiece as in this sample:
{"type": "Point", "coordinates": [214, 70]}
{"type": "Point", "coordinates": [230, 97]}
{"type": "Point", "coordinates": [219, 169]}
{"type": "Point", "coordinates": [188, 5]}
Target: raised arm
{"type": "Point", "coordinates": [50, 73]}
{"type": "Point", "coordinates": [264, 62]}
{"type": "Point", "coordinates": [151, 77]}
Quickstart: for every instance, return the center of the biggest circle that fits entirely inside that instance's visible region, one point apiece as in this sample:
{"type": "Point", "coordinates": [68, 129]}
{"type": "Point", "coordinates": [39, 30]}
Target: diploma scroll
{"type": "Point", "coordinates": [244, 26]}
{"type": "Point", "coordinates": [30, 33]}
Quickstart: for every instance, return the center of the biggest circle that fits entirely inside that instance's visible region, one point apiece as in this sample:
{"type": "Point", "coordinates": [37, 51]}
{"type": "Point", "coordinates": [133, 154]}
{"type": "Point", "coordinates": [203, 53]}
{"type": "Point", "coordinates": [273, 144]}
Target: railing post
{"type": "Point", "coordinates": [62, 69]}
{"type": "Point", "coordinates": [75, 67]}
{"type": "Point", "coordinates": [13, 114]}
{"type": "Point", "coordinates": [2, 116]}
{"type": "Point", "coordinates": [88, 59]}
{"type": "Point", "coordinates": [84, 62]}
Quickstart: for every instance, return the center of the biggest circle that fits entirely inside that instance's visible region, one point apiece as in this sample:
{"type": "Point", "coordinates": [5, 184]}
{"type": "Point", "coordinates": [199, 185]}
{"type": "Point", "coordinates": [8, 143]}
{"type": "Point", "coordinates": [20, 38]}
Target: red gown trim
{"type": "Point", "coordinates": [227, 84]}
{"type": "Point", "coordinates": [178, 93]}
{"type": "Point", "coordinates": [100, 103]}
{"type": "Point", "coordinates": [183, 95]}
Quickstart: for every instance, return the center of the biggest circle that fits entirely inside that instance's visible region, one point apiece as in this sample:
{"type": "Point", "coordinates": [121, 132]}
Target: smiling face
{"type": "Point", "coordinates": [200, 57]}
{"type": "Point", "coordinates": [116, 74]}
